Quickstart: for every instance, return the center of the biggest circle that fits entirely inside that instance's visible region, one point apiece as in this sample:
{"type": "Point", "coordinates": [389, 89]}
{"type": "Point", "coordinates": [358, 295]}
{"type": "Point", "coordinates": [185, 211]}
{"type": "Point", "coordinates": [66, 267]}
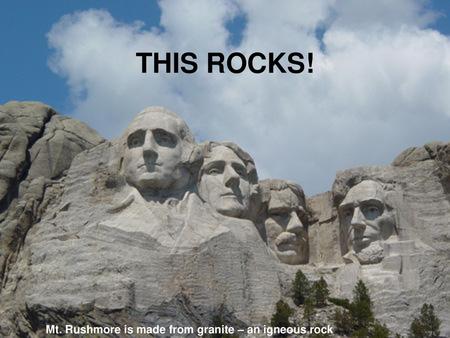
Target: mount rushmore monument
{"type": "Point", "coordinates": [153, 228]}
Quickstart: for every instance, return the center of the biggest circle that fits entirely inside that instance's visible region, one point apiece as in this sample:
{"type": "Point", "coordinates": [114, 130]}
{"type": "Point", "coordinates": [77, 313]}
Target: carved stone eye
{"type": "Point", "coordinates": [282, 212]}
{"type": "Point", "coordinates": [214, 171]}
{"type": "Point", "coordinates": [371, 212]}
{"type": "Point", "coordinates": [134, 142]}
{"type": "Point", "coordinates": [240, 170]}
{"type": "Point", "coordinates": [277, 214]}
{"type": "Point", "coordinates": [136, 139]}
{"type": "Point", "coordinates": [164, 138]}
{"type": "Point", "coordinates": [348, 213]}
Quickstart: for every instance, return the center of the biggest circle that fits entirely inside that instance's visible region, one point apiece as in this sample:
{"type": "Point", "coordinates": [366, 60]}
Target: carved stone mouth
{"type": "Point", "coordinates": [228, 194]}
{"type": "Point", "coordinates": [363, 238]}
{"type": "Point", "coordinates": [287, 241]}
{"type": "Point", "coordinates": [287, 247]}
{"type": "Point", "coordinates": [156, 164]}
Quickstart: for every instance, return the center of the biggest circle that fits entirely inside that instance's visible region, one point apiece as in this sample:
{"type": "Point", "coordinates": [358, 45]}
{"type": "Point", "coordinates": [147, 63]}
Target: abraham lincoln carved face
{"type": "Point", "coordinates": [366, 216]}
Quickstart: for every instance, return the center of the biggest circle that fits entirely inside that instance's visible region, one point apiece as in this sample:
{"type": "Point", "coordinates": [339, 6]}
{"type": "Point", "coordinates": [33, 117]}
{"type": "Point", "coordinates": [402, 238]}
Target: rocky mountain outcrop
{"type": "Point", "coordinates": [37, 147]}
{"type": "Point", "coordinates": [37, 142]}
{"type": "Point", "coordinates": [155, 229]}
{"type": "Point", "coordinates": [21, 125]}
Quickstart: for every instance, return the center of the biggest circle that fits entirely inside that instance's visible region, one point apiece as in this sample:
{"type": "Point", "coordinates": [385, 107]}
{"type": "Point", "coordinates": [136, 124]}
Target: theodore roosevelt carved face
{"type": "Point", "coordinates": [285, 224]}
{"type": "Point", "coordinates": [157, 144]}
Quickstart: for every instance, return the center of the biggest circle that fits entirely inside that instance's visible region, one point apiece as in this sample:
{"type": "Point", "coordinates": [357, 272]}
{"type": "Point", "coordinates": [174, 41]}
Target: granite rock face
{"type": "Point", "coordinates": [21, 125]}
{"type": "Point", "coordinates": [37, 142]}
{"type": "Point", "coordinates": [62, 140]}
{"type": "Point", "coordinates": [88, 259]}
{"type": "Point", "coordinates": [28, 145]}
{"type": "Point", "coordinates": [414, 266]}
{"type": "Point", "coordinates": [154, 228]}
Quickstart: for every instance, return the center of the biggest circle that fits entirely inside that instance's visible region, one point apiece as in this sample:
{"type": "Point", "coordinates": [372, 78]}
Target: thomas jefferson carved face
{"type": "Point", "coordinates": [285, 226]}
{"type": "Point", "coordinates": [365, 214]}
{"type": "Point", "coordinates": [153, 150]}
{"type": "Point", "coordinates": [224, 182]}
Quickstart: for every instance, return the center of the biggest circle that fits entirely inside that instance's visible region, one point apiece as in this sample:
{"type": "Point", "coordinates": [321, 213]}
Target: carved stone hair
{"type": "Point", "coordinates": [185, 133]}
{"type": "Point", "coordinates": [268, 185]}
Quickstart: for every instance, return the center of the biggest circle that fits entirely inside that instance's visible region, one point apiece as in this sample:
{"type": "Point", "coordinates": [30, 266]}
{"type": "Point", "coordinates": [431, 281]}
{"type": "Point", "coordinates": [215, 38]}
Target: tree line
{"type": "Point", "coordinates": [353, 318]}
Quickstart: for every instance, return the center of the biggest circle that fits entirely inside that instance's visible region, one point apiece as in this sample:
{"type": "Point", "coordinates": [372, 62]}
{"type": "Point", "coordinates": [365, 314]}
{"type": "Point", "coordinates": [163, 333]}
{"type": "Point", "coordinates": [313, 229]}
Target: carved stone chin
{"type": "Point", "coordinates": [372, 254]}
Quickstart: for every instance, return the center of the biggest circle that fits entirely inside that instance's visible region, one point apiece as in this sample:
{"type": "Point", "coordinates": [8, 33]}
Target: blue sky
{"type": "Point", "coordinates": [24, 52]}
{"type": "Point", "coordinates": [381, 80]}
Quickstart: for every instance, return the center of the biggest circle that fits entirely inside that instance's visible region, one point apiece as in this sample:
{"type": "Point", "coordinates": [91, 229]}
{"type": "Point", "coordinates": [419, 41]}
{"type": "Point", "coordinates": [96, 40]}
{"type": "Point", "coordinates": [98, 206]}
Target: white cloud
{"type": "Point", "coordinates": [380, 84]}
{"type": "Point", "coordinates": [361, 15]}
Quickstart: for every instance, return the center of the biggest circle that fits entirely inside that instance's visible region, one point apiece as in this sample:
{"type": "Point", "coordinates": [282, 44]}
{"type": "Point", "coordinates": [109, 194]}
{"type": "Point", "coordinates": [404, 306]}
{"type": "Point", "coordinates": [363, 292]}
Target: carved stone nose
{"type": "Point", "coordinates": [150, 154]}
{"type": "Point", "coordinates": [230, 177]}
{"type": "Point", "coordinates": [358, 218]}
{"type": "Point", "coordinates": [295, 225]}
{"type": "Point", "coordinates": [148, 148]}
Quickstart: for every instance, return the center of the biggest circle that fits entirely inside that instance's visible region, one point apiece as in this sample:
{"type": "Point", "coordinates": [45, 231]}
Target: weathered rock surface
{"type": "Point", "coordinates": [416, 267]}
{"type": "Point", "coordinates": [324, 231]}
{"type": "Point", "coordinates": [84, 260]}
{"type": "Point", "coordinates": [35, 142]}
{"type": "Point", "coordinates": [21, 125]}
{"type": "Point", "coordinates": [83, 243]}
{"type": "Point", "coordinates": [28, 146]}
{"type": "Point", "coordinates": [63, 138]}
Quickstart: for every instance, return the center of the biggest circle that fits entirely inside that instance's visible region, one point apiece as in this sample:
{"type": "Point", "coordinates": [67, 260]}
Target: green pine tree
{"type": "Point", "coordinates": [308, 311]}
{"type": "Point", "coordinates": [360, 333]}
{"type": "Point", "coordinates": [416, 329]}
{"type": "Point", "coordinates": [361, 307]}
{"type": "Point", "coordinates": [343, 302]}
{"type": "Point", "coordinates": [321, 292]}
{"type": "Point", "coordinates": [342, 322]}
{"type": "Point", "coordinates": [378, 330]}
{"type": "Point", "coordinates": [281, 316]}
{"type": "Point", "coordinates": [426, 325]}
{"type": "Point", "coordinates": [300, 288]}
{"type": "Point", "coordinates": [356, 319]}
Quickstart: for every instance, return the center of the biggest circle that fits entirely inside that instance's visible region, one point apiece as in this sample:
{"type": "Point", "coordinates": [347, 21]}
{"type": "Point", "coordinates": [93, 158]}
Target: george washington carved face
{"type": "Point", "coordinates": [155, 150]}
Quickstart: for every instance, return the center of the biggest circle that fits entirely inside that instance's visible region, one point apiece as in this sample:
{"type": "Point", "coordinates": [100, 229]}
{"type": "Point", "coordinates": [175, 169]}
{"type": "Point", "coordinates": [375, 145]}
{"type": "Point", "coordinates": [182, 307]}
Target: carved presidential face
{"type": "Point", "coordinates": [224, 183]}
{"type": "Point", "coordinates": [286, 233]}
{"type": "Point", "coordinates": [366, 216]}
{"type": "Point", "coordinates": [153, 151]}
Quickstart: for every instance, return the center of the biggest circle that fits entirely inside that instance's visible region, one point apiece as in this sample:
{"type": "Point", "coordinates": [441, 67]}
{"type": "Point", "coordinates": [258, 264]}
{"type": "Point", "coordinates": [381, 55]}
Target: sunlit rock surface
{"type": "Point", "coordinates": [154, 228]}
